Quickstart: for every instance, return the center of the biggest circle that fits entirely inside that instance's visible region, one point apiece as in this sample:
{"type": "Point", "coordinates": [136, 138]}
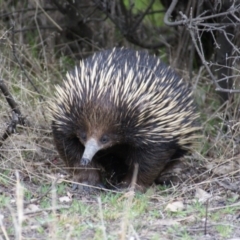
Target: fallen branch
{"type": "Point", "coordinates": [17, 117]}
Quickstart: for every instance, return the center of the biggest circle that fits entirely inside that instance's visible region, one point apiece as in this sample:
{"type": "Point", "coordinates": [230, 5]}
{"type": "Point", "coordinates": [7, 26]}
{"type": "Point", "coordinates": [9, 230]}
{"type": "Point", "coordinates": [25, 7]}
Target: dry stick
{"type": "Point", "coordinates": [45, 210]}
{"type": "Point", "coordinates": [134, 233]}
{"type": "Point", "coordinates": [101, 216]}
{"type": "Point", "coordinates": [21, 66]}
{"type": "Point", "coordinates": [11, 128]}
{"type": "Point", "coordinates": [3, 14]}
{"type": "Point", "coordinates": [53, 232]}
{"type": "Point", "coordinates": [206, 217]}
{"type": "Point", "coordinates": [41, 98]}
{"type": "Point", "coordinates": [140, 19]}
{"type": "Point", "coordinates": [40, 35]}
{"type": "Point", "coordinates": [186, 20]}
{"type": "Point", "coordinates": [193, 23]}
{"type": "Point", "coordinates": [129, 202]}
{"type": "Point", "coordinates": [205, 63]}
{"type": "Point", "coordinates": [34, 28]}
{"type": "Point", "coordinates": [190, 66]}
{"type": "Point", "coordinates": [192, 51]}
{"type": "Point", "coordinates": [123, 26]}
{"type": "Point", "coordinates": [16, 116]}
{"type": "Point", "coordinates": [169, 13]}
{"type": "Point", "coordinates": [9, 98]}
{"type": "Point", "coordinates": [19, 203]}
{"type": "Point", "coordinates": [44, 194]}
{"type": "Point", "coordinates": [48, 16]}
{"type": "Point", "coordinates": [3, 228]}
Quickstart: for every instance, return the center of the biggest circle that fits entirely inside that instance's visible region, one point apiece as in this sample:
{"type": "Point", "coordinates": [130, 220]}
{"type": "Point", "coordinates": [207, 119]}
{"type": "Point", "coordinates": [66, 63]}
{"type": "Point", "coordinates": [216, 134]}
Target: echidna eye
{"type": "Point", "coordinates": [104, 139]}
{"type": "Point", "coordinates": [83, 136]}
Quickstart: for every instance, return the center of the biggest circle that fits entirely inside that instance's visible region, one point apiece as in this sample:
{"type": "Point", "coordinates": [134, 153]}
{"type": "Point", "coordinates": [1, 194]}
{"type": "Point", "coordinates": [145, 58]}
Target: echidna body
{"type": "Point", "coordinates": [120, 107]}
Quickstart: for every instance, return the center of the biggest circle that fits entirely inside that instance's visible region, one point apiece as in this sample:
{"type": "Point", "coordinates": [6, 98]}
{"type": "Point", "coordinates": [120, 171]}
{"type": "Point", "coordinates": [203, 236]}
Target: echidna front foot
{"type": "Point", "coordinates": [138, 186]}
{"type": "Point", "coordinates": [87, 177]}
{"type": "Point", "coordinates": [86, 187]}
{"type": "Point", "coordinates": [145, 178]}
{"type": "Point", "coordinates": [127, 186]}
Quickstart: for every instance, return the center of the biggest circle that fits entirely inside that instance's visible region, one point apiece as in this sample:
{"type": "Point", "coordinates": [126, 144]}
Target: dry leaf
{"type": "Point", "coordinates": [69, 195]}
{"type": "Point", "coordinates": [65, 199]}
{"type": "Point", "coordinates": [175, 206]}
{"type": "Point", "coordinates": [169, 222]}
{"type": "Point", "coordinates": [166, 222]}
{"type": "Point", "coordinates": [32, 208]}
{"type": "Point", "coordinates": [202, 195]}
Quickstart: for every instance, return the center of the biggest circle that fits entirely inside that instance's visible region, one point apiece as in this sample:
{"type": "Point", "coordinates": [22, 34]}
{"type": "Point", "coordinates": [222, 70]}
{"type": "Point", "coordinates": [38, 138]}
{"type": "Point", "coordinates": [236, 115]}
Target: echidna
{"type": "Point", "coordinates": [120, 107]}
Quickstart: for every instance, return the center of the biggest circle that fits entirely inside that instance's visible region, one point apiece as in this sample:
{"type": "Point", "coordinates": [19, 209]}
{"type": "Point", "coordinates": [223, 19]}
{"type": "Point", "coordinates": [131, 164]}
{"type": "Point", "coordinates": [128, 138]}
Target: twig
{"type": "Point", "coordinates": [2, 14]}
{"type": "Point", "coordinates": [206, 217]}
{"type": "Point", "coordinates": [47, 15]}
{"type": "Point", "coordinates": [44, 194]}
{"type": "Point", "coordinates": [45, 209]}
{"type": "Point", "coordinates": [197, 25]}
{"type": "Point", "coordinates": [34, 28]}
{"type": "Point", "coordinates": [205, 63]}
{"type": "Point", "coordinates": [129, 203]}
{"type": "Point", "coordinates": [41, 98]}
{"type": "Point", "coordinates": [17, 117]}
{"type": "Point", "coordinates": [101, 216]}
{"type": "Point", "coordinates": [169, 13]}
{"type": "Point", "coordinates": [119, 16]}
{"type": "Point", "coordinates": [186, 20]}
{"type": "Point", "coordinates": [10, 100]}
{"type": "Point", "coordinates": [140, 19]}
{"type": "Point", "coordinates": [3, 228]}
{"type": "Point", "coordinates": [21, 66]}
{"type": "Point", "coordinates": [19, 203]}
{"type": "Point", "coordinates": [11, 128]}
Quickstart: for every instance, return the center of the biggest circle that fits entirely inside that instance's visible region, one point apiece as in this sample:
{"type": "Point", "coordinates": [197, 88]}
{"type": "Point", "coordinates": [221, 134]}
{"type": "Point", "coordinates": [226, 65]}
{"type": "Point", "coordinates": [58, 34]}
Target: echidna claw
{"type": "Point", "coordinates": [75, 186]}
{"type": "Point", "coordinates": [84, 161]}
{"type": "Point", "coordinates": [84, 187]}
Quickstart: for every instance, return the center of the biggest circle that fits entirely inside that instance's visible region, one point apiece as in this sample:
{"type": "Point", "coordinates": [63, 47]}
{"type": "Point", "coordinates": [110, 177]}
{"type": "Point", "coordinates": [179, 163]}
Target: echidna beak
{"type": "Point", "coordinates": [91, 148]}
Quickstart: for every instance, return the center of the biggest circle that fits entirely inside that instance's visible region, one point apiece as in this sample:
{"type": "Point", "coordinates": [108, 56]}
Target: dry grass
{"type": "Point", "coordinates": [36, 201]}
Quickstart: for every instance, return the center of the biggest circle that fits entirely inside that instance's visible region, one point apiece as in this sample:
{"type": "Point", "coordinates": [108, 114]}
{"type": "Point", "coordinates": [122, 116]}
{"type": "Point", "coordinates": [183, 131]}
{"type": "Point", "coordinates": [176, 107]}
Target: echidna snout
{"type": "Point", "coordinates": [92, 146]}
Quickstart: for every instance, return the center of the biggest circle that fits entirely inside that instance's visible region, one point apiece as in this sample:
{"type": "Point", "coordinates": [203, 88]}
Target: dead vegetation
{"type": "Point", "coordinates": [36, 200]}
